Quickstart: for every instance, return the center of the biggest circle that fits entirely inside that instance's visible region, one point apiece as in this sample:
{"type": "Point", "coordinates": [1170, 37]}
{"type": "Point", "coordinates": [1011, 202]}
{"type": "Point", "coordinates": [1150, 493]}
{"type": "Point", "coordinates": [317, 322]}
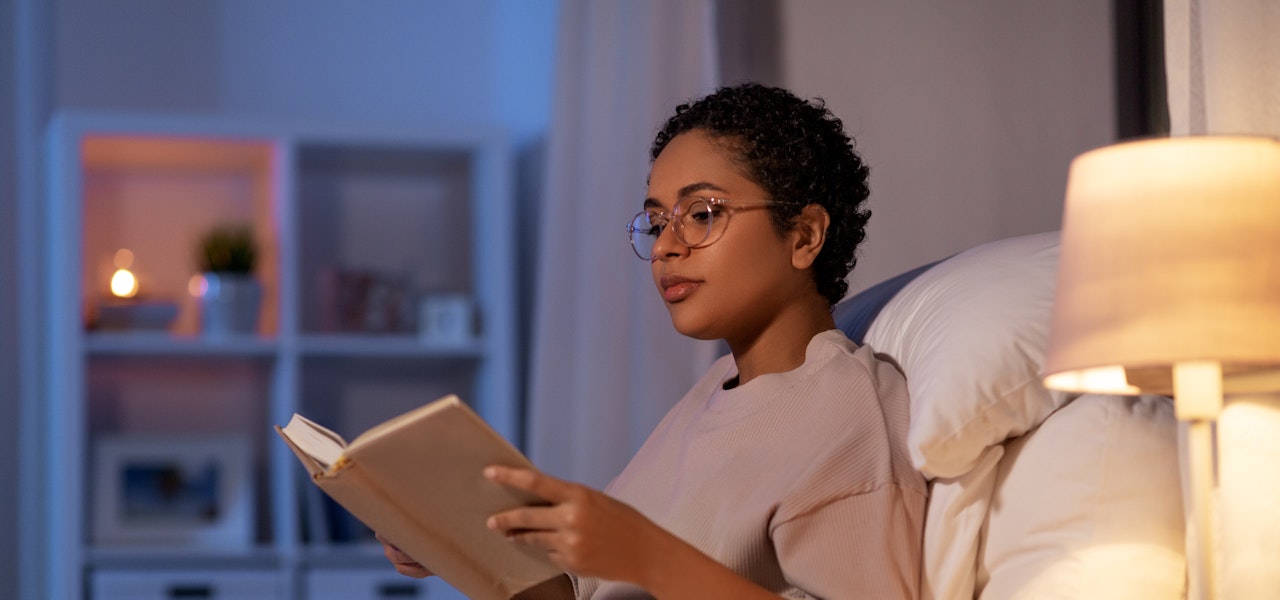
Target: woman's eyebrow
{"type": "Point", "coordinates": [699, 187]}
{"type": "Point", "coordinates": [685, 191]}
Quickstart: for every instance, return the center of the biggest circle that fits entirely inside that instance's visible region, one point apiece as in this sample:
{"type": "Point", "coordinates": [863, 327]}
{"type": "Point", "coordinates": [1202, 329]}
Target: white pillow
{"type": "Point", "coordinates": [956, 516]}
{"type": "Point", "coordinates": [970, 334]}
{"type": "Point", "coordinates": [1089, 506]}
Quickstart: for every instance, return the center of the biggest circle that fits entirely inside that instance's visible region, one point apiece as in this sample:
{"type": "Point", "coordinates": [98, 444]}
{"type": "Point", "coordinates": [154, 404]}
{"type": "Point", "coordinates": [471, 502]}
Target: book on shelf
{"type": "Point", "coordinates": [417, 480]}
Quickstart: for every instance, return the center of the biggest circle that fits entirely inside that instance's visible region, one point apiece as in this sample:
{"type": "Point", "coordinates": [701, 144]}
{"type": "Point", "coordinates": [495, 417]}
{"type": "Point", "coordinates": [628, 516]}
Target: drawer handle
{"type": "Point", "coordinates": [191, 591]}
{"type": "Point", "coordinates": [398, 590]}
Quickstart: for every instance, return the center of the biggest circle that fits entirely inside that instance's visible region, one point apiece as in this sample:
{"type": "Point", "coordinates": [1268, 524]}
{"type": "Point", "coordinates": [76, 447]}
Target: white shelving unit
{"type": "Point", "coordinates": [427, 209]}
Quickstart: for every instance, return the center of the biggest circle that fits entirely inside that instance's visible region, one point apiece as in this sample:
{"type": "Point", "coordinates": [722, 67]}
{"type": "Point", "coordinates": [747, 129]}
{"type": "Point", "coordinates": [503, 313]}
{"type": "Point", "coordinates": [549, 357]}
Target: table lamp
{"type": "Point", "coordinates": [1169, 284]}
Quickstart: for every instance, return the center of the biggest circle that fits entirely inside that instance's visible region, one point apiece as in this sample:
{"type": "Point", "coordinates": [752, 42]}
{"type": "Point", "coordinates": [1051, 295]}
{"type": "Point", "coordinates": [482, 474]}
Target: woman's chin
{"type": "Point", "coordinates": [698, 329]}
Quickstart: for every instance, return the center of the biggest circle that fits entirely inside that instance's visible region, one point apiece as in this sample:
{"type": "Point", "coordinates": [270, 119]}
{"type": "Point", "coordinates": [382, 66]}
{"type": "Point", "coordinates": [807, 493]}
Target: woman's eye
{"type": "Point", "coordinates": [700, 212]}
{"type": "Point", "coordinates": [656, 224]}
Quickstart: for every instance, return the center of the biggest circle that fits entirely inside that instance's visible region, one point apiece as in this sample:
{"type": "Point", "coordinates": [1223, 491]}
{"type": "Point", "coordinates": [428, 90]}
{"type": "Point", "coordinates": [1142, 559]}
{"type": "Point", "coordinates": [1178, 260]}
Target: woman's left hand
{"type": "Point", "coordinates": [583, 530]}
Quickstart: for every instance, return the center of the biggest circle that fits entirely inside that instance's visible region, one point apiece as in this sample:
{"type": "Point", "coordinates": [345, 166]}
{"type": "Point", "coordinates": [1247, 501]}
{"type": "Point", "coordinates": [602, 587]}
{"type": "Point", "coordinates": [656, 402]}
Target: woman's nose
{"type": "Point", "coordinates": [668, 245]}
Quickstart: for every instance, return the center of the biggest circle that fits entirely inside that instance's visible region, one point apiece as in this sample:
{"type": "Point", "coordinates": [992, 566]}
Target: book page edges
{"type": "Point", "coordinates": [312, 465]}
{"type": "Point", "coordinates": [483, 569]}
{"type": "Point", "coordinates": [322, 430]}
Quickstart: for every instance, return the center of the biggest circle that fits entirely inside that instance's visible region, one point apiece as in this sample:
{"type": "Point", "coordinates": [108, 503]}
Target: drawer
{"type": "Point", "coordinates": [374, 584]}
{"type": "Point", "coordinates": [229, 584]}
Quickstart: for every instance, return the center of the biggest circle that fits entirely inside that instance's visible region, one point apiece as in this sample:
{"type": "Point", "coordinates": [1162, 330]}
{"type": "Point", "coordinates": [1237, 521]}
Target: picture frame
{"type": "Point", "coordinates": [446, 318]}
{"type": "Point", "coordinates": [169, 490]}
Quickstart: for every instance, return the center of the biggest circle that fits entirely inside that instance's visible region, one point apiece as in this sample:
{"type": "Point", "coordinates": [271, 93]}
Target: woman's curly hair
{"type": "Point", "coordinates": [798, 152]}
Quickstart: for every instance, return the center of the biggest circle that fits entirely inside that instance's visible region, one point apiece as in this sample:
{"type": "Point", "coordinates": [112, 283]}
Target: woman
{"type": "Point", "coordinates": [784, 470]}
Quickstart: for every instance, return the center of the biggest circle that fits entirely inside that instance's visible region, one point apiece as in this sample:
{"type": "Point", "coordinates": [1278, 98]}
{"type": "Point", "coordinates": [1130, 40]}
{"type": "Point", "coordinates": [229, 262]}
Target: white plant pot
{"type": "Point", "coordinates": [230, 304]}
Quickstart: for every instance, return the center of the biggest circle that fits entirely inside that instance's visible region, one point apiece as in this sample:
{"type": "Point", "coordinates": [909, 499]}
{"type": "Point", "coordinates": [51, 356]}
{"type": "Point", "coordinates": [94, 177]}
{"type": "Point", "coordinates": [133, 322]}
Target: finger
{"type": "Point", "coordinates": [396, 555]}
{"type": "Point", "coordinates": [530, 519]}
{"type": "Point", "coordinates": [542, 539]}
{"type": "Point", "coordinates": [540, 484]}
{"type": "Point", "coordinates": [404, 564]}
{"type": "Point", "coordinates": [547, 541]}
{"type": "Point", "coordinates": [384, 541]}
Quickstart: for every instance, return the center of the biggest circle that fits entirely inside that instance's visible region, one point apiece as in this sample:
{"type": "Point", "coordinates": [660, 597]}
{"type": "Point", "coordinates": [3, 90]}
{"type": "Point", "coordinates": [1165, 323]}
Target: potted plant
{"type": "Point", "coordinates": [230, 297]}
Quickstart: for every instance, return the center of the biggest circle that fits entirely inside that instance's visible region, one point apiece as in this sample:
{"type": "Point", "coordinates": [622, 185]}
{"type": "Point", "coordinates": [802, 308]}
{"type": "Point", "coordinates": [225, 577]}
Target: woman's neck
{"type": "Point", "coordinates": [780, 345]}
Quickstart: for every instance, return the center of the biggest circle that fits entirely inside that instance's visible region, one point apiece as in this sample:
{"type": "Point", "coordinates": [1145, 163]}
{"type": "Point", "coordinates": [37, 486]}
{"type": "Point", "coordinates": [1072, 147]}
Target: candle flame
{"type": "Point", "coordinates": [124, 284]}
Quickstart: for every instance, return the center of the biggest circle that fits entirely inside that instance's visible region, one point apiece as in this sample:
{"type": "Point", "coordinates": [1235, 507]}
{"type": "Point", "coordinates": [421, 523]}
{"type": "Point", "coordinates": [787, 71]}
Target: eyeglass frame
{"type": "Point", "coordinates": [711, 201]}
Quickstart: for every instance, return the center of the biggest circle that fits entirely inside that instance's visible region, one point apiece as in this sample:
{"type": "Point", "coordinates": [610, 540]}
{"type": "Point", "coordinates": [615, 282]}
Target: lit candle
{"type": "Point", "coordinates": [123, 283]}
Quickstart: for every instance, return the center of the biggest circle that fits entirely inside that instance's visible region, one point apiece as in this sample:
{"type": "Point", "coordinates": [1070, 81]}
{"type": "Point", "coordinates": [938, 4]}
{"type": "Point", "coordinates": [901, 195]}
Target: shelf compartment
{"type": "Point", "coordinates": [380, 226]}
{"type": "Point", "coordinates": [157, 196]}
{"type": "Point", "coordinates": [177, 406]}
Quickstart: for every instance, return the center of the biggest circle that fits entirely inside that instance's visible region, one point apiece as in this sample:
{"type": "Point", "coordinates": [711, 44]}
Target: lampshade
{"type": "Point", "coordinates": [1170, 254]}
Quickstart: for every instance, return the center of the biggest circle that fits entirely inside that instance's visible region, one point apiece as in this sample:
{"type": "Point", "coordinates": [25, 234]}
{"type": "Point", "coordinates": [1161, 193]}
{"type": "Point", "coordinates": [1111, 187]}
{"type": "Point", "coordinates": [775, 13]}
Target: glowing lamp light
{"type": "Point", "coordinates": [1102, 380]}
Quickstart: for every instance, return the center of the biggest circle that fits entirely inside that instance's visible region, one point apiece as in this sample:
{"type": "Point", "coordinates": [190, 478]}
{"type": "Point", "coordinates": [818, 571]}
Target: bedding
{"type": "Point", "coordinates": [954, 521]}
{"type": "Point", "coordinates": [1083, 508]}
{"type": "Point", "coordinates": [973, 330]}
{"type": "Point", "coordinates": [1017, 509]}
{"type": "Point", "coordinates": [855, 315]}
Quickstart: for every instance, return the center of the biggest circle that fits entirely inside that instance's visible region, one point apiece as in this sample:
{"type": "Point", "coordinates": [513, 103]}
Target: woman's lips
{"type": "Point", "coordinates": [676, 288]}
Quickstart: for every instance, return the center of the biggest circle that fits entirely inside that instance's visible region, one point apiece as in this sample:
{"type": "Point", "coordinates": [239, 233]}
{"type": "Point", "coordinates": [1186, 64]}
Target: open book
{"type": "Point", "coordinates": [417, 481]}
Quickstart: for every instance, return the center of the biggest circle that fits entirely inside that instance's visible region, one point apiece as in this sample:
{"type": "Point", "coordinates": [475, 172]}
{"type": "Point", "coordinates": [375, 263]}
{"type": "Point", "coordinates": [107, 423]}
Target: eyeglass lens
{"type": "Point", "coordinates": [694, 220]}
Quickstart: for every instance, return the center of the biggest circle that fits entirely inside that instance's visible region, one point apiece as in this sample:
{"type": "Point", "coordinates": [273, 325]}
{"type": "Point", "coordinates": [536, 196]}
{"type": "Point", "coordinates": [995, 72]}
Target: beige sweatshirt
{"type": "Point", "coordinates": [799, 481]}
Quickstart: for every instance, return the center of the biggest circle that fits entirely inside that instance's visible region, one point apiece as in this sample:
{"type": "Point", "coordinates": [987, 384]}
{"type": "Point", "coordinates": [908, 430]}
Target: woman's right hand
{"type": "Point", "coordinates": [402, 562]}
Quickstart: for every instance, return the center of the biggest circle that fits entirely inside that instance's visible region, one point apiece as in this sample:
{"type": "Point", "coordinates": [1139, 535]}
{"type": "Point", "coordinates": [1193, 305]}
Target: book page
{"type": "Point", "coordinates": [325, 446]}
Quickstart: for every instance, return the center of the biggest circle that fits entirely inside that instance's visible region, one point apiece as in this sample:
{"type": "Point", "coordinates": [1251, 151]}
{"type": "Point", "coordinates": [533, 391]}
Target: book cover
{"type": "Point", "coordinates": [417, 480]}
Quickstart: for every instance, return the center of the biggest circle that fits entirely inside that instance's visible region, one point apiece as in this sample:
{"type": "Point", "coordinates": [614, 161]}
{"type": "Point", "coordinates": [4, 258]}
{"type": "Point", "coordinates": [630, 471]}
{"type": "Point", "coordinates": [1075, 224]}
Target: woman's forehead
{"type": "Point", "coordinates": [694, 162]}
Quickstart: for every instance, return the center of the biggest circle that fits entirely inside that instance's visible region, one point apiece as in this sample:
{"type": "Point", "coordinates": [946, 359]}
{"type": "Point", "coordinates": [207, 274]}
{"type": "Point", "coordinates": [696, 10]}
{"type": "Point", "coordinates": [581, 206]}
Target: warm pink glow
{"type": "Point", "coordinates": [123, 258]}
{"type": "Point", "coordinates": [197, 286]}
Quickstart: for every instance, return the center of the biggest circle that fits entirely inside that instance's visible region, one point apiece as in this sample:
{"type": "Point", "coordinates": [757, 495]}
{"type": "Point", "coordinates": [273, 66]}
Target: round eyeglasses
{"type": "Point", "coordinates": [697, 221]}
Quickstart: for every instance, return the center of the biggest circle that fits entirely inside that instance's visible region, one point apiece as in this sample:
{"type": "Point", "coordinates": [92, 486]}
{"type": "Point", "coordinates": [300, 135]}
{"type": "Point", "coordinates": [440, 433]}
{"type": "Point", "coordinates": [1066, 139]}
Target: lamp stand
{"type": "Point", "coordinates": [1197, 391]}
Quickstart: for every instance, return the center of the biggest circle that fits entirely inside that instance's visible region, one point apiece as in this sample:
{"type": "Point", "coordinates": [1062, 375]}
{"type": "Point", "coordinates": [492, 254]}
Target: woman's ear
{"type": "Point", "coordinates": [809, 233]}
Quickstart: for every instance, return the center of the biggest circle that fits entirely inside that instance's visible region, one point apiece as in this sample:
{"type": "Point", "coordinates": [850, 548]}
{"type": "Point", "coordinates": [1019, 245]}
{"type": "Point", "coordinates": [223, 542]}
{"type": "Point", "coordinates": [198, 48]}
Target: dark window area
{"type": "Point", "coordinates": [1142, 107]}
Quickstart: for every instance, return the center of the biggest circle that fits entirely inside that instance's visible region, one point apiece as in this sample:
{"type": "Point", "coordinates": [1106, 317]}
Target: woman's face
{"type": "Point", "coordinates": [732, 288]}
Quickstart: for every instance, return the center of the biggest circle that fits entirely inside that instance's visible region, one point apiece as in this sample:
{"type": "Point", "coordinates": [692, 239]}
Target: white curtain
{"type": "Point", "coordinates": [606, 362]}
{"type": "Point", "coordinates": [1222, 62]}
{"type": "Point", "coordinates": [1222, 59]}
